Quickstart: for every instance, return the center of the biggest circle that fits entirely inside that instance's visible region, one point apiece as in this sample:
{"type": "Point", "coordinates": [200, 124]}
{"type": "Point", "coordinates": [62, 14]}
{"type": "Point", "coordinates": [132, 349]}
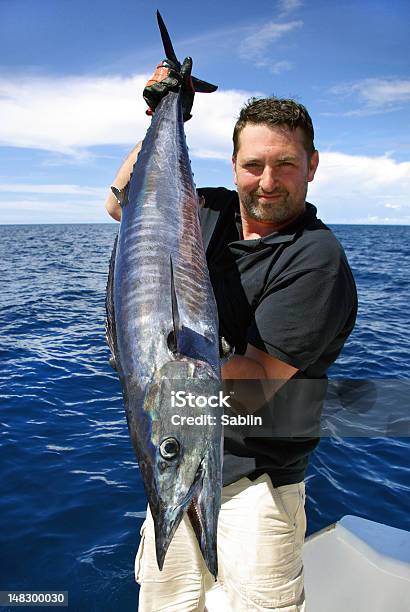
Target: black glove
{"type": "Point", "coordinates": [170, 77]}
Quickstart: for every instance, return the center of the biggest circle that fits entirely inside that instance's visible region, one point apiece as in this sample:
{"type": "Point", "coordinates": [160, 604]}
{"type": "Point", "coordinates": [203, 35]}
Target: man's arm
{"type": "Point", "coordinates": [123, 176]}
{"type": "Point", "coordinates": [167, 77]}
{"type": "Point", "coordinates": [257, 364]}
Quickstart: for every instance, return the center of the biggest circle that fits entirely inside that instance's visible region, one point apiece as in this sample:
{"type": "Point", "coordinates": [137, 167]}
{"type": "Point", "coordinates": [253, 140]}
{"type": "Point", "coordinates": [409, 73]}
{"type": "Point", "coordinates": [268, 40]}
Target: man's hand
{"type": "Point", "coordinates": [170, 77]}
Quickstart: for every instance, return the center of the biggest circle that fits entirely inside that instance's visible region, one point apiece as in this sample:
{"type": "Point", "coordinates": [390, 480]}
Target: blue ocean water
{"type": "Point", "coordinates": [72, 501]}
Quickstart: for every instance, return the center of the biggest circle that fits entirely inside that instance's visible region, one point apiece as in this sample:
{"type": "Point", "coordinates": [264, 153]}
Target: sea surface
{"type": "Point", "coordinates": [71, 496]}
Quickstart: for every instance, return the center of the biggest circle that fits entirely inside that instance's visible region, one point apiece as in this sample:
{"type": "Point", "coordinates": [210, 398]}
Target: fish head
{"type": "Point", "coordinates": [185, 461]}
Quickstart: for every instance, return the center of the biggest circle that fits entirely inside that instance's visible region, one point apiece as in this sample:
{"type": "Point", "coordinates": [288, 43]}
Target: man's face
{"type": "Point", "coordinates": [271, 171]}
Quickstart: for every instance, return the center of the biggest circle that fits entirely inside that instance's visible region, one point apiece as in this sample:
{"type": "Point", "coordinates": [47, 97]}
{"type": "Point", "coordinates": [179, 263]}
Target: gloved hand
{"type": "Point", "coordinates": [167, 77]}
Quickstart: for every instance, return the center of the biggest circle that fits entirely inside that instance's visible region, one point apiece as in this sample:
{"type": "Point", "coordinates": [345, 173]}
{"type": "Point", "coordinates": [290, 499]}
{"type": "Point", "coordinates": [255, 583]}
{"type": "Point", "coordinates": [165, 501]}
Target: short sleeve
{"type": "Point", "coordinates": [298, 317]}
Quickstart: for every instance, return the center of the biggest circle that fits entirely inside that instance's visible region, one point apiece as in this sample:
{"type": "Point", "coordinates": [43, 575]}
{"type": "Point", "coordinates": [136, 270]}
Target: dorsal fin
{"type": "Point", "coordinates": [173, 337]}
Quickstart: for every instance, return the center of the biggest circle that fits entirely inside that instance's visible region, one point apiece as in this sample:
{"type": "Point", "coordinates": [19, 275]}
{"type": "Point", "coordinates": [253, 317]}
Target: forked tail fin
{"type": "Point", "coordinates": [200, 86]}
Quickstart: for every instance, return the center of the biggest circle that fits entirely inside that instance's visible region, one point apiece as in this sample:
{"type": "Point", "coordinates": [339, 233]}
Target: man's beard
{"type": "Point", "coordinates": [277, 211]}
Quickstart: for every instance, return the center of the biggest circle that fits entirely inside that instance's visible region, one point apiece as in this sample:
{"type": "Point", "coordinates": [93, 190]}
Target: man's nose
{"type": "Point", "coordinates": [267, 180]}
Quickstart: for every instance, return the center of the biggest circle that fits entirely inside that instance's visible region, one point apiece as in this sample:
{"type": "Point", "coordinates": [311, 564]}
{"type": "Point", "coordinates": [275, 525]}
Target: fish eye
{"type": "Point", "coordinates": [169, 448]}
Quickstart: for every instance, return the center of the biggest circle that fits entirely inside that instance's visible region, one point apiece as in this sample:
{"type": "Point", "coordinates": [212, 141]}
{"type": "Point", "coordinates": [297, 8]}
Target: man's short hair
{"type": "Point", "coordinates": [275, 112]}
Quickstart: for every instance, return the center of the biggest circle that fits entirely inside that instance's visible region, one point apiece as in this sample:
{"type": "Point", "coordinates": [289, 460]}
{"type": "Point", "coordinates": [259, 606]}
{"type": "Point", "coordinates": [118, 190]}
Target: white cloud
{"type": "Point", "coordinates": [56, 189]}
{"type": "Point", "coordinates": [255, 45]}
{"type": "Point", "coordinates": [278, 67]}
{"type": "Point", "coordinates": [249, 39]}
{"type": "Point", "coordinates": [73, 114]}
{"type": "Point", "coordinates": [288, 6]}
{"type": "Point", "coordinates": [69, 115]}
{"type": "Point", "coordinates": [375, 95]}
{"type": "Point", "coordinates": [384, 91]}
{"type": "Point", "coordinates": [210, 134]}
{"type": "Point", "coordinates": [361, 189]}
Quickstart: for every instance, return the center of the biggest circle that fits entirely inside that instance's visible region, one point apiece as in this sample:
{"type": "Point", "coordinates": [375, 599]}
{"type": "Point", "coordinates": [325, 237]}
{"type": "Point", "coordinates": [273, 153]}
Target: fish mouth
{"type": "Point", "coordinates": [168, 519]}
{"type": "Point", "coordinates": [203, 518]}
{"type": "Point", "coordinates": [206, 538]}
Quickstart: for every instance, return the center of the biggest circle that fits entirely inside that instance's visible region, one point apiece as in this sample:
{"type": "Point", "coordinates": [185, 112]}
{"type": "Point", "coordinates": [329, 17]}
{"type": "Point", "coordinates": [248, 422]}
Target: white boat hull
{"type": "Point", "coordinates": [354, 565]}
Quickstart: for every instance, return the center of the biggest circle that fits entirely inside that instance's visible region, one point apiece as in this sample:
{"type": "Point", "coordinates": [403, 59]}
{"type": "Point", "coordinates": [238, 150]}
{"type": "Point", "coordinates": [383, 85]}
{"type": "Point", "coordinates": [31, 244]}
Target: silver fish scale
{"type": "Point", "coordinates": [160, 221]}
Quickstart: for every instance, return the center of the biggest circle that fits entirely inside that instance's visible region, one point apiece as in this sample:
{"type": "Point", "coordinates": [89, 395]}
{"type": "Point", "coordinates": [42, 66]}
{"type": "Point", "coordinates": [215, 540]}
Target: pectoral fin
{"type": "Point", "coordinates": [121, 194]}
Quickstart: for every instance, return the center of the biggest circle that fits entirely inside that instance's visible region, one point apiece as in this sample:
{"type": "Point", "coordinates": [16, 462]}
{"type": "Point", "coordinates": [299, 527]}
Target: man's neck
{"type": "Point", "coordinates": [253, 229]}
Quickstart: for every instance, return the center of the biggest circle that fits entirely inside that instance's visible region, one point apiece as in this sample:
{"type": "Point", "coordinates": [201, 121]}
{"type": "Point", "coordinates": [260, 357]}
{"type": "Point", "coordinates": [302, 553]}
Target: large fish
{"type": "Point", "coordinates": [162, 329]}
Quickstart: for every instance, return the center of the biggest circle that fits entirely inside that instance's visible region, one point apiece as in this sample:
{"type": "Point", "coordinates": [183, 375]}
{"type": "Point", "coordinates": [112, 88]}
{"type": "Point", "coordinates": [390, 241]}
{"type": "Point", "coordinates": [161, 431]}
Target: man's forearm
{"type": "Point", "coordinates": [241, 375]}
{"type": "Point", "coordinates": [121, 179]}
{"type": "Point", "coordinates": [242, 367]}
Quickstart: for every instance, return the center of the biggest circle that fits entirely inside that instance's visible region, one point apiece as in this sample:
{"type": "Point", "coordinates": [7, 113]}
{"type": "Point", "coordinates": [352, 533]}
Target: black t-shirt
{"type": "Point", "coordinates": [292, 295]}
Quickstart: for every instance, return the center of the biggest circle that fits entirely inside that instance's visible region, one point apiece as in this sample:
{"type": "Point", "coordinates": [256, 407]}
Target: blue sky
{"type": "Point", "coordinates": [72, 74]}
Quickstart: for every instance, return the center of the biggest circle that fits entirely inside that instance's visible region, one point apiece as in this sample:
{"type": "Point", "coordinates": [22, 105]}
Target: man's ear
{"type": "Point", "coordinates": [313, 164]}
{"type": "Point", "coordinates": [234, 169]}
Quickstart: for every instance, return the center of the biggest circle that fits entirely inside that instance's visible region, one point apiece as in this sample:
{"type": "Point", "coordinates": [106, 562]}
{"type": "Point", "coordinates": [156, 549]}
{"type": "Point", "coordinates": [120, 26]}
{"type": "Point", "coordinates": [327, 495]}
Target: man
{"type": "Point", "coordinates": [287, 302]}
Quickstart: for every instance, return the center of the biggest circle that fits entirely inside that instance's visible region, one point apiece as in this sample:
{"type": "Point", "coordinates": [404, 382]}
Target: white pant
{"type": "Point", "coordinates": [261, 531]}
